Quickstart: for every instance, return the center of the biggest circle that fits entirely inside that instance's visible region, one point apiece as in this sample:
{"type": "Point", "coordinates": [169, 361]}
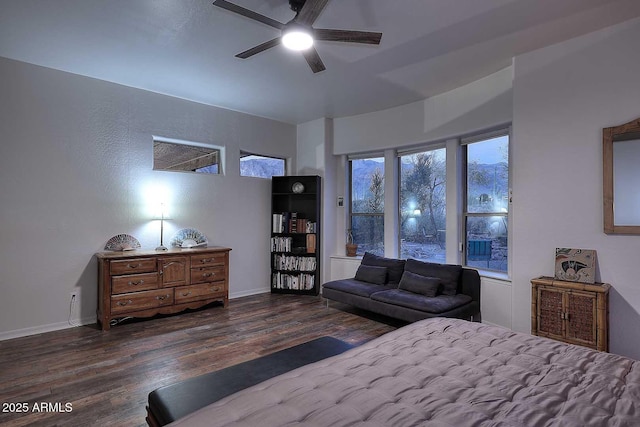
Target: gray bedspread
{"type": "Point", "coordinates": [443, 372]}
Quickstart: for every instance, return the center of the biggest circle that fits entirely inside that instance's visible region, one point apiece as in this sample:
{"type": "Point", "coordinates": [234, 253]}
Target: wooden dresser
{"type": "Point", "coordinates": [576, 313]}
{"type": "Point", "coordinates": [143, 283]}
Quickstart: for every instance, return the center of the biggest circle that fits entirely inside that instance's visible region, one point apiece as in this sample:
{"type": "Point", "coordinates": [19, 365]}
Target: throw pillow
{"type": "Point", "coordinates": [395, 267]}
{"type": "Point", "coordinates": [449, 274]}
{"type": "Point", "coordinates": [427, 286]}
{"type": "Point", "coordinates": [372, 274]}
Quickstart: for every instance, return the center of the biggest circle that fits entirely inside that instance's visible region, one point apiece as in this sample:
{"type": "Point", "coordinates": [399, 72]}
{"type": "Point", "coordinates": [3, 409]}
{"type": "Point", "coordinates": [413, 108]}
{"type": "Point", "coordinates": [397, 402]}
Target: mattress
{"type": "Point", "coordinates": [443, 372]}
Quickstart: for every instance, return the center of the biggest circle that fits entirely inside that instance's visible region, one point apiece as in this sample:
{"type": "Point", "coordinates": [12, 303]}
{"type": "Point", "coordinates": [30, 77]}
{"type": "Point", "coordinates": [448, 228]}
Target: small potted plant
{"type": "Point", "coordinates": [352, 247]}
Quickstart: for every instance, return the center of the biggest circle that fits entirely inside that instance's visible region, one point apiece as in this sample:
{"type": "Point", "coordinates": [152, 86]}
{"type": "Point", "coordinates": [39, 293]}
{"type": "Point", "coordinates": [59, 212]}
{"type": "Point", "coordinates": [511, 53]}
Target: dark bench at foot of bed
{"type": "Point", "coordinates": [167, 404]}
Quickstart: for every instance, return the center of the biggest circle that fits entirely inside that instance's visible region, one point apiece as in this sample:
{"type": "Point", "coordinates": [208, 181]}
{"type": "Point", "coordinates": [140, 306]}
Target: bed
{"type": "Point", "coordinates": [443, 372]}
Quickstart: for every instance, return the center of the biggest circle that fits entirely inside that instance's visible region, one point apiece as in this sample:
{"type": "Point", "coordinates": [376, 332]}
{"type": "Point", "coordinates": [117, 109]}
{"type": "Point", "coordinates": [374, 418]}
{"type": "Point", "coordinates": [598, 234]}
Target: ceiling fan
{"type": "Point", "coordinates": [299, 34]}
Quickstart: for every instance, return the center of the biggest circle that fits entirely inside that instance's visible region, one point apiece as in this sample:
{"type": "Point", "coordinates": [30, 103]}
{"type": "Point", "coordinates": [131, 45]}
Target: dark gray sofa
{"type": "Point", "coordinates": [410, 290]}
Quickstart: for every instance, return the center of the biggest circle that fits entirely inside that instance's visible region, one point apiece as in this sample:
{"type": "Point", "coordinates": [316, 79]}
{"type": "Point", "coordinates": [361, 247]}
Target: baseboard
{"type": "Point", "coordinates": [249, 293]}
{"type": "Point", "coordinates": [19, 333]}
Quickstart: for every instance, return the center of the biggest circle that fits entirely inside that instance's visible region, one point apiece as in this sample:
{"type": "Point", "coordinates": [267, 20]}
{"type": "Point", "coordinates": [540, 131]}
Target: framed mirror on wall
{"type": "Point", "coordinates": [621, 178]}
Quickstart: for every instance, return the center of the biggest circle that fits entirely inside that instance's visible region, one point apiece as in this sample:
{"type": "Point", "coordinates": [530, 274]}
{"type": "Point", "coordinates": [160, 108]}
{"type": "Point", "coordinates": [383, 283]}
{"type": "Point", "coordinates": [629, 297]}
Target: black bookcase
{"type": "Point", "coordinates": [295, 234]}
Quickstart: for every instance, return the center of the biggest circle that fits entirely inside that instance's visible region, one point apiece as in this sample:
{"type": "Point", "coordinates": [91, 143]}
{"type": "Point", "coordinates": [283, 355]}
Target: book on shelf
{"type": "Point", "coordinates": [297, 282]}
{"type": "Point", "coordinates": [281, 244]}
{"type": "Point", "coordinates": [311, 243]}
{"type": "Point", "coordinates": [291, 222]}
{"type": "Point", "coordinates": [293, 263]}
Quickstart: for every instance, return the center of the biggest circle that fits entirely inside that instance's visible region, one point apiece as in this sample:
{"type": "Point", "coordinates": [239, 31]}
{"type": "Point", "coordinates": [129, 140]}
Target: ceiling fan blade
{"type": "Point", "coordinates": [310, 11]}
{"type": "Point", "coordinates": [260, 48]}
{"type": "Point", "coordinates": [347, 36]}
{"type": "Point", "coordinates": [248, 13]}
{"type": "Point", "coordinates": [313, 59]}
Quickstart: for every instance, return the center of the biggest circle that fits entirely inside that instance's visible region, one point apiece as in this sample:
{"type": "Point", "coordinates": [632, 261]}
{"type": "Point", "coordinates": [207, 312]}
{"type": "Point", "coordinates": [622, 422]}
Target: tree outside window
{"type": "Point", "coordinates": [367, 204]}
{"type": "Point", "coordinates": [423, 205]}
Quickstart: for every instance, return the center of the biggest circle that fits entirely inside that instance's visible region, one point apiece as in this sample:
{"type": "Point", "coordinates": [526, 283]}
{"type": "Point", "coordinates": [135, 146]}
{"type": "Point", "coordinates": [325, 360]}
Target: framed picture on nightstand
{"type": "Point", "coordinates": [575, 265]}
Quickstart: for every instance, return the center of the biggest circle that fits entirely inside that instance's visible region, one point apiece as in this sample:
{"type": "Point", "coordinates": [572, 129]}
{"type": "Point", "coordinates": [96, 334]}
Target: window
{"type": "Point", "coordinates": [261, 166]}
{"type": "Point", "coordinates": [487, 201]}
{"type": "Point", "coordinates": [423, 205]}
{"type": "Point", "coordinates": [185, 156]}
{"type": "Point", "coordinates": [367, 204]}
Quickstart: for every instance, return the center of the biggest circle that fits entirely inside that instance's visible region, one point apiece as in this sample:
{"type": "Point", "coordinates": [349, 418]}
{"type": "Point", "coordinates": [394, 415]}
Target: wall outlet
{"type": "Point", "coordinates": [74, 296]}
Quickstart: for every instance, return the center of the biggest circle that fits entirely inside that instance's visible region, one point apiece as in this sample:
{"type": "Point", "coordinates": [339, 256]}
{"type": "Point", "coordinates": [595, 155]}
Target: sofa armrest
{"type": "Point", "coordinates": [470, 284]}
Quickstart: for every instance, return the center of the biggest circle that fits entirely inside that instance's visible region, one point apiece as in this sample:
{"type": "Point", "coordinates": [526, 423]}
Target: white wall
{"type": "Point", "coordinates": [75, 168]}
{"type": "Point", "coordinates": [563, 96]}
{"type": "Point", "coordinates": [314, 157]}
{"type": "Point", "coordinates": [476, 106]}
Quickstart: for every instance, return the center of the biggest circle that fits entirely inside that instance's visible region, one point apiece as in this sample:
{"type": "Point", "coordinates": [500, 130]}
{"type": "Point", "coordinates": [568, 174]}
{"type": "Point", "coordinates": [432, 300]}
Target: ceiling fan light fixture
{"type": "Point", "coordinates": [297, 38]}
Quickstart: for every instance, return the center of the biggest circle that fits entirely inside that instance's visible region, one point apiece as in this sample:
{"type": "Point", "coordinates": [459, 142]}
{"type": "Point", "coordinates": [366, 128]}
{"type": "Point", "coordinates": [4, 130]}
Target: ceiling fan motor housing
{"type": "Point", "coordinates": [296, 5]}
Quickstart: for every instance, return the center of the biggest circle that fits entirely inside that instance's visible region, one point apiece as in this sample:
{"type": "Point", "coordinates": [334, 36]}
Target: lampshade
{"type": "Point", "coordinates": [161, 211]}
{"type": "Point", "coordinates": [297, 37]}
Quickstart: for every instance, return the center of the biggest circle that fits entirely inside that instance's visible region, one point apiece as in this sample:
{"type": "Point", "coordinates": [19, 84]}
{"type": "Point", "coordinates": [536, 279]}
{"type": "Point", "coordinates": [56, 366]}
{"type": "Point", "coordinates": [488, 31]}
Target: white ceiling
{"type": "Point", "coordinates": [186, 48]}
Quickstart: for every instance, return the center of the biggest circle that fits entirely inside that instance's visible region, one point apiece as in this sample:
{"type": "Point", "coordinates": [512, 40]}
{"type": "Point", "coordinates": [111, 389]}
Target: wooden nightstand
{"type": "Point", "coordinates": [572, 312]}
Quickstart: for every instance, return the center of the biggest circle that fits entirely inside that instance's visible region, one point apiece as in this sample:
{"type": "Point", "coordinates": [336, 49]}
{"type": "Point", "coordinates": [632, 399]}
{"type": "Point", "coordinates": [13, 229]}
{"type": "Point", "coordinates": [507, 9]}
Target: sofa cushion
{"type": "Point", "coordinates": [448, 273]}
{"type": "Point", "coordinates": [356, 287]}
{"type": "Point", "coordinates": [395, 267]}
{"type": "Point", "coordinates": [372, 274]}
{"type": "Point", "coordinates": [412, 282]}
{"type": "Point", "coordinates": [435, 305]}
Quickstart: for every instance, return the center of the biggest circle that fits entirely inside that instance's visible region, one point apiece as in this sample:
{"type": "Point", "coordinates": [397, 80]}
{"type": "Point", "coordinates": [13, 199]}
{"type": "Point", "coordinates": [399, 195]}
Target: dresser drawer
{"type": "Point", "coordinates": [135, 301]}
{"type": "Point", "coordinates": [208, 259]}
{"type": "Point", "coordinates": [207, 274]}
{"type": "Point", "coordinates": [199, 292]}
{"type": "Point", "coordinates": [132, 266]}
{"type": "Point", "coordinates": [134, 283]}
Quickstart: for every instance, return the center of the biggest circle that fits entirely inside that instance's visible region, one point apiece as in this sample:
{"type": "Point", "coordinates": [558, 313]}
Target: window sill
{"type": "Point", "coordinates": [357, 258]}
{"type": "Point", "coordinates": [494, 275]}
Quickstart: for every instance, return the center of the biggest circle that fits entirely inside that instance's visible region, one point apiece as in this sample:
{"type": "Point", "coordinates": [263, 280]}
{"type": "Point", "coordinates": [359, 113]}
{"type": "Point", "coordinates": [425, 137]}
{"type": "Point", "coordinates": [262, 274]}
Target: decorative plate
{"type": "Point", "coordinates": [122, 242]}
{"type": "Point", "coordinates": [297, 187]}
{"type": "Point", "coordinates": [188, 238]}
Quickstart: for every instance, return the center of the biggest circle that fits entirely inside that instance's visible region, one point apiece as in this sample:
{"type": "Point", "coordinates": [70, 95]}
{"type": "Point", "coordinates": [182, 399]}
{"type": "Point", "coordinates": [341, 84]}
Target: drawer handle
{"type": "Point", "coordinates": [186, 294]}
{"type": "Point", "coordinates": [162, 297]}
{"type": "Point", "coordinates": [204, 275]}
{"type": "Point", "coordinates": [123, 303]}
{"type": "Point", "coordinates": [134, 266]}
{"type": "Point", "coordinates": [214, 289]}
{"type": "Point", "coordinates": [205, 260]}
{"type": "Point", "coordinates": [139, 282]}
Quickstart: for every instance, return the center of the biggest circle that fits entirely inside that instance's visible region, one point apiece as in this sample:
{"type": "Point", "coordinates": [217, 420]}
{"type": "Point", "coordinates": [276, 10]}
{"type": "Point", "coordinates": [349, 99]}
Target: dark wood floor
{"type": "Point", "coordinates": [106, 376]}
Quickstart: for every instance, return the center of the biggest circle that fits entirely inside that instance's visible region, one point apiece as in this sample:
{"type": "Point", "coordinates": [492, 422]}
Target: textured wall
{"type": "Point", "coordinates": [76, 169]}
{"type": "Point", "coordinates": [563, 96]}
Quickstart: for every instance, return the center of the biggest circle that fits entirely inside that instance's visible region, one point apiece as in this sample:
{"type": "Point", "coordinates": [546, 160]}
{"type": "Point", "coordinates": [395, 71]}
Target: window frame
{"type": "Point", "coordinates": [244, 153]}
{"type": "Point", "coordinates": [352, 214]}
{"type": "Point", "coordinates": [408, 152]}
{"type": "Point", "coordinates": [218, 150]}
{"type": "Point", "coordinates": [465, 143]}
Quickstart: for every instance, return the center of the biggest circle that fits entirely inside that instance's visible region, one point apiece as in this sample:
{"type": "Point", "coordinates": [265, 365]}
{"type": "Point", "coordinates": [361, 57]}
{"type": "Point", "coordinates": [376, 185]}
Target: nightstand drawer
{"type": "Point", "coordinates": [134, 283]}
{"type": "Point", "coordinates": [133, 266]}
{"type": "Point", "coordinates": [207, 274]}
{"type": "Point", "coordinates": [141, 300]}
{"type": "Point", "coordinates": [199, 292]}
{"type": "Point", "coordinates": [208, 259]}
